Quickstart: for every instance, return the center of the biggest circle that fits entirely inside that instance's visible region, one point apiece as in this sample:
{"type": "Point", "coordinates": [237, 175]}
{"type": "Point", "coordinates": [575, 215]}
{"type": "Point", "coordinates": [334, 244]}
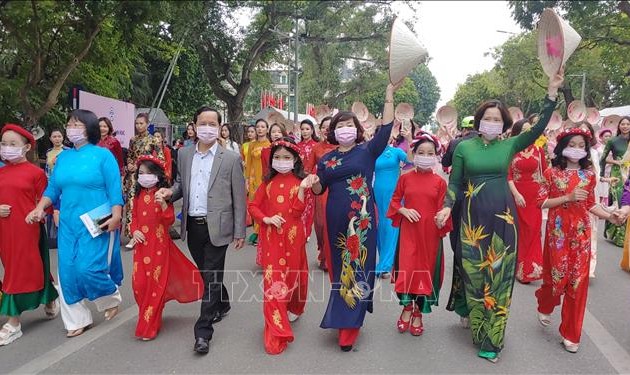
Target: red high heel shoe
{"type": "Point", "coordinates": [416, 331]}
{"type": "Point", "coordinates": [402, 325]}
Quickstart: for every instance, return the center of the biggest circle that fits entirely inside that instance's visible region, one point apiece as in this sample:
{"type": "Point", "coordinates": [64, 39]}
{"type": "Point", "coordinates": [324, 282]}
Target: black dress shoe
{"type": "Point", "coordinates": [202, 346]}
{"type": "Point", "coordinates": [346, 348]}
{"type": "Point", "coordinates": [222, 314]}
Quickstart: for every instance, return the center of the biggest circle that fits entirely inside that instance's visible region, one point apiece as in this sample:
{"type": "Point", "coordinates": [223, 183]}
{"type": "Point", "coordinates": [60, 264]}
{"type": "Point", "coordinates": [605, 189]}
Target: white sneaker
{"type": "Point", "coordinates": [9, 333]}
{"type": "Point", "coordinates": [569, 346]}
{"type": "Point", "coordinates": [544, 319]}
{"type": "Point", "coordinates": [464, 322]}
{"type": "Point", "coordinates": [293, 317]}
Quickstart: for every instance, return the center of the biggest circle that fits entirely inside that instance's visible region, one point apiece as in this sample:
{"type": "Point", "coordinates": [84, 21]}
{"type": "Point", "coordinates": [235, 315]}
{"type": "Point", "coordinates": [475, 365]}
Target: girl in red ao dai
{"type": "Point", "coordinates": [419, 267]}
{"type": "Point", "coordinates": [161, 272]}
{"type": "Point", "coordinates": [278, 206]}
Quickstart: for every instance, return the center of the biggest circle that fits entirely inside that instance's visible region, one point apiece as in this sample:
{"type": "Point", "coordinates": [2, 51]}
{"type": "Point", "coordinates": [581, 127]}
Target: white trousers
{"type": "Point", "coordinates": [78, 315]}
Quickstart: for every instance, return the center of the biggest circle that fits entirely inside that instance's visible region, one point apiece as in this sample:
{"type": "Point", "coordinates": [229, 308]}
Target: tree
{"type": "Point", "coordinates": [43, 43]}
{"type": "Point", "coordinates": [605, 30]}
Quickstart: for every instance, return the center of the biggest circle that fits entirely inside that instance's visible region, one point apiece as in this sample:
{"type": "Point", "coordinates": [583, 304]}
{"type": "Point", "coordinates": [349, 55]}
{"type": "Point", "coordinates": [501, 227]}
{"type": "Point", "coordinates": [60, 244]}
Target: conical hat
{"type": "Point", "coordinates": [576, 111]}
{"type": "Point", "coordinates": [516, 113]}
{"type": "Point", "coordinates": [555, 122]}
{"type": "Point", "coordinates": [38, 132]}
{"type": "Point", "coordinates": [404, 111]}
{"type": "Point", "coordinates": [405, 51]}
{"type": "Point", "coordinates": [322, 111]}
{"type": "Point", "coordinates": [360, 110]}
{"type": "Point", "coordinates": [557, 41]}
{"type": "Point", "coordinates": [370, 122]}
{"type": "Point", "coordinates": [611, 122]}
{"type": "Point", "coordinates": [446, 115]}
{"type": "Point", "coordinates": [275, 117]}
{"type": "Point", "coordinates": [593, 116]}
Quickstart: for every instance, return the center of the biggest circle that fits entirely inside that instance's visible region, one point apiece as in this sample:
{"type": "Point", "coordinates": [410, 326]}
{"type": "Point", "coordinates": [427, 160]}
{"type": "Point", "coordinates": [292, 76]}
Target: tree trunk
{"type": "Point", "coordinates": [235, 109]}
{"type": "Point", "coordinates": [568, 94]}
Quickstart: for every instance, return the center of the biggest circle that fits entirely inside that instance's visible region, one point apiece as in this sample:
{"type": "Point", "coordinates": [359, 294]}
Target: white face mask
{"type": "Point", "coordinates": [424, 162]}
{"type": "Point", "coordinates": [490, 130]}
{"type": "Point", "coordinates": [574, 154]}
{"type": "Point", "coordinates": [282, 166]}
{"type": "Point", "coordinates": [11, 153]}
{"type": "Point", "coordinates": [76, 135]}
{"type": "Point", "coordinates": [207, 134]}
{"type": "Point", "coordinates": [147, 180]}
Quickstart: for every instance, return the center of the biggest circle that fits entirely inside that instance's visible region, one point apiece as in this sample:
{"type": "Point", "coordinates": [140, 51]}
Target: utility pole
{"type": "Point", "coordinates": [583, 75]}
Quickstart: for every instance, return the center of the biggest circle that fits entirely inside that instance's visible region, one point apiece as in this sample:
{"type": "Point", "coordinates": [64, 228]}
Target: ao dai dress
{"type": "Point", "coordinates": [386, 173]}
{"type": "Point", "coordinates": [488, 230]}
{"type": "Point", "coordinates": [351, 229]}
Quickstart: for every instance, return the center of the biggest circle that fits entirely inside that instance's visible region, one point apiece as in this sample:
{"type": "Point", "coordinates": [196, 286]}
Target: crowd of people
{"type": "Point", "coordinates": [380, 202]}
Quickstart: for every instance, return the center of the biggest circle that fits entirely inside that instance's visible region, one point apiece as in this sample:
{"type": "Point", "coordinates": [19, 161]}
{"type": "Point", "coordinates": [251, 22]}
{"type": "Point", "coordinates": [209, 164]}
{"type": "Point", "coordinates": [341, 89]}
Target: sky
{"type": "Point", "coordinates": [457, 35]}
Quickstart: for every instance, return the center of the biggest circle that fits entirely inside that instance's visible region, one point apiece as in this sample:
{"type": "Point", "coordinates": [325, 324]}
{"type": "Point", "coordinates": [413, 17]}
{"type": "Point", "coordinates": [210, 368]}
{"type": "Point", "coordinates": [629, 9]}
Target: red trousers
{"type": "Point", "coordinates": [573, 306]}
{"type": "Point", "coordinates": [347, 336]}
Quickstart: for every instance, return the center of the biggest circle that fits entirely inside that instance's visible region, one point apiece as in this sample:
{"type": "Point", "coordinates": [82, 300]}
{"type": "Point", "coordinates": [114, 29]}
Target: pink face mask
{"type": "Point", "coordinates": [574, 153]}
{"type": "Point", "coordinates": [11, 153]}
{"type": "Point", "coordinates": [282, 166]}
{"type": "Point", "coordinates": [490, 130]}
{"type": "Point", "coordinates": [346, 136]}
{"type": "Point", "coordinates": [424, 162]}
{"type": "Point", "coordinates": [207, 134]}
{"type": "Point", "coordinates": [147, 180]}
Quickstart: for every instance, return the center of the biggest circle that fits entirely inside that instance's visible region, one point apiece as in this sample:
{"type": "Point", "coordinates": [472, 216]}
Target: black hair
{"type": "Point", "coordinates": [344, 116]}
{"type": "Point", "coordinates": [505, 114]}
{"type": "Point", "coordinates": [57, 130]}
{"type": "Point", "coordinates": [400, 138]}
{"type": "Point", "coordinates": [282, 130]}
{"type": "Point", "coordinates": [310, 123]}
{"type": "Point", "coordinates": [109, 124]}
{"type": "Point", "coordinates": [154, 169]}
{"type": "Point", "coordinates": [327, 118]}
{"type": "Point", "coordinates": [89, 119]}
{"type": "Point", "coordinates": [517, 128]}
{"type": "Point", "coordinates": [298, 165]}
{"type": "Point", "coordinates": [619, 124]}
{"type": "Point", "coordinates": [560, 161]}
{"type": "Point", "coordinates": [421, 141]}
{"type": "Point", "coordinates": [206, 109]}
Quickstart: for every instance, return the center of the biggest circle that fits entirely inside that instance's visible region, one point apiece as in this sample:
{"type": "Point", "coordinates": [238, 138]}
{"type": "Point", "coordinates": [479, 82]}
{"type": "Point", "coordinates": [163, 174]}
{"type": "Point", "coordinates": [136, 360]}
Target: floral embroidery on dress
{"type": "Point", "coordinates": [333, 162]}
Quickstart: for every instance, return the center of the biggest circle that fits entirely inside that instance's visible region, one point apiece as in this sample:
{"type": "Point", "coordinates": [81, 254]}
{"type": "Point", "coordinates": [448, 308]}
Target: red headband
{"type": "Point", "coordinates": [286, 144]}
{"type": "Point", "coordinates": [574, 131]}
{"type": "Point", "coordinates": [430, 137]}
{"type": "Point", "coordinates": [21, 131]}
{"type": "Point", "coordinates": [152, 159]}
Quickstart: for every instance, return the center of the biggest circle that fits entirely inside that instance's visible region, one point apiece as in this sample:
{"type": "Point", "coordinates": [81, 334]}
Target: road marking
{"type": "Point", "coordinates": [616, 355]}
{"type": "Point", "coordinates": [73, 345]}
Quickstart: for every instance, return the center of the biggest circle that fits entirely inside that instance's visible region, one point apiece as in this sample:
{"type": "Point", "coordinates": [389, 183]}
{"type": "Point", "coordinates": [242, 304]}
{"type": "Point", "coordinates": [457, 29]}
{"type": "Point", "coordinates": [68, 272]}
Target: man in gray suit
{"type": "Point", "coordinates": [210, 181]}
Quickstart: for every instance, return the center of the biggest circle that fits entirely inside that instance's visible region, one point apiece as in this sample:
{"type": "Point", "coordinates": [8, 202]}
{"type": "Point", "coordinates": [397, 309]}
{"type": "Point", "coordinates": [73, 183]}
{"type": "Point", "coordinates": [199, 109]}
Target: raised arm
{"type": "Point", "coordinates": [523, 140]}
{"type": "Point", "coordinates": [381, 138]}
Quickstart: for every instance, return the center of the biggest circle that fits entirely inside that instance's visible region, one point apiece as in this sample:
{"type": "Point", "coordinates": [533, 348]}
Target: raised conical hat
{"type": "Point", "coordinates": [593, 116]}
{"type": "Point", "coordinates": [555, 122]}
{"type": "Point", "coordinates": [611, 122]}
{"type": "Point", "coordinates": [370, 122]}
{"type": "Point", "coordinates": [361, 111]}
{"type": "Point", "coordinates": [38, 132]}
{"type": "Point", "coordinates": [405, 51]}
{"type": "Point", "coordinates": [516, 113]}
{"type": "Point", "coordinates": [322, 111]}
{"type": "Point", "coordinates": [446, 115]}
{"type": "Point", "coordinates": [576, 111]}
{"type": "Point", "coordinates": [557, 41]}
{"type": "Point", "coordinates": [404, 111]}
{"type": "Point", "coordinates": [275, 117]}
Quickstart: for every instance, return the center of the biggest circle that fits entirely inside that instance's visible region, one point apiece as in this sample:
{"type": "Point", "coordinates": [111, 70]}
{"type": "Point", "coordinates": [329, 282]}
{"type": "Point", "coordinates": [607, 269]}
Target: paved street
{"type": "Point", "coordinates": [237, 347]}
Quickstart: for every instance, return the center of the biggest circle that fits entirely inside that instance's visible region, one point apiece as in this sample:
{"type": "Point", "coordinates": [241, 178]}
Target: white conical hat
{"type": "Point", "coordinates": [555, 122]}
{"type": "Point", "coordinates": [404, 111]}
{"type": "Point", "coordinates": [322, 111]}
{"type": "Point", "coordinates": [557, 41]}
{"type": "Point", "coordinates": [405, 51]}
{"type": "Point", "coordinates": [516, 113]}
{"type": "Point", "coordinates": [593, 116]}
{"type": "Point", "coordinates": [576, 111]}
{"type": "Point", "coordinates": [360, 110]}
{"type": "Point", "coordinates": [446, 115]}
